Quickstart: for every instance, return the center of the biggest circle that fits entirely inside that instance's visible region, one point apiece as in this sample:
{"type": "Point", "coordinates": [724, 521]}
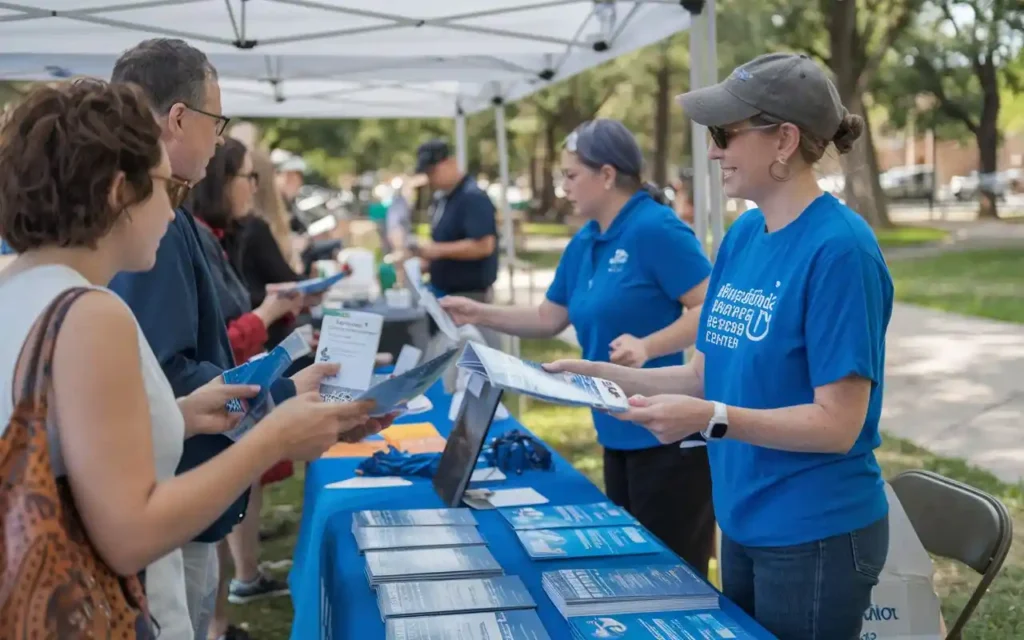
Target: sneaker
{"type": "Point", "coordinates": [262, 587]}
{"type": "Point", "coordinates": [235, 633]}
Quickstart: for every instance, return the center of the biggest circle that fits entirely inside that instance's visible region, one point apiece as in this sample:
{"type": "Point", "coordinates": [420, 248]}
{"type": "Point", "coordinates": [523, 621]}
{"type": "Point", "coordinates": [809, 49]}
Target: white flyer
{"type": "Point", "coordinates": [349, 338]}
{"type": "Point", "coordinates": [429, 301]}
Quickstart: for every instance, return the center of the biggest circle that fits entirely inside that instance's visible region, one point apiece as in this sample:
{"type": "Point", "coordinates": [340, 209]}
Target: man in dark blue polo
{"type": "Point", "coordinates": [463, 254]}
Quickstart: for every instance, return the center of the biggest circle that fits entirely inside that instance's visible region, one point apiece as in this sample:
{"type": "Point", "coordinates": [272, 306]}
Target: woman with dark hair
{"type": "Point", "coordinates": [87, 192]}
{"type": "Point", "coordinates": [787, 382]}
{"type": "Point", "coordinates": [623, 284]}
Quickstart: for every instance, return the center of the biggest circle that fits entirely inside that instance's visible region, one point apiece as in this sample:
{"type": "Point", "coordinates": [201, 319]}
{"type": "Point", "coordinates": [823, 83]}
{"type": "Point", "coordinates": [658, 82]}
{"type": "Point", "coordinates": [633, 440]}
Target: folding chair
{"type": "Point", "coordinates": [956, 521]}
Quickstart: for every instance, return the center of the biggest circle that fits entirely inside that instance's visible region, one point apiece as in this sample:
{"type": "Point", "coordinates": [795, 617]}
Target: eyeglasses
{"type": "Point", "coordinates": [222, 121]}
{"type": "Point", "coordinates": [177, 189]}
{"type": "Point", "coordinates": [721, 136]}
{"type": "Point", "coordinates": [252, 177]}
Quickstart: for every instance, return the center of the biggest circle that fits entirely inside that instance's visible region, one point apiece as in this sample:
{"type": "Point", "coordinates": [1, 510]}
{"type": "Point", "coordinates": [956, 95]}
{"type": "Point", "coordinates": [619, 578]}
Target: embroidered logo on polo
{"type": "Point", "coordinates": [740, 314]}
{"type": "Point", "coordinates": [618, 261]}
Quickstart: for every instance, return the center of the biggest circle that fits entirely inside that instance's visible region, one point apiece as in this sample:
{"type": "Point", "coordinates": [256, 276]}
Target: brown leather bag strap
{"type": "Point", "coordinates": [36, 382]}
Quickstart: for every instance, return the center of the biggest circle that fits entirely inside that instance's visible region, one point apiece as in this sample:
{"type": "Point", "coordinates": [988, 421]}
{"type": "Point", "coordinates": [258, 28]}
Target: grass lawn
{"type": "Point", "coordinates": [551, 229]}
{"type": "Point", "coordinates": [988, 283]}
{"type": "Point", "coordinates": [909, 236]}
{"type": "Point", "coordinates": [570, 432]}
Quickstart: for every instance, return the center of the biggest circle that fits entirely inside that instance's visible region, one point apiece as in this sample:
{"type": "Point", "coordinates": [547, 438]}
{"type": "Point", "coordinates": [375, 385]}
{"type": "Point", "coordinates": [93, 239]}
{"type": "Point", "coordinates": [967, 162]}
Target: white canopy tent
{"type": "Point", "coordinates": [367, 58]}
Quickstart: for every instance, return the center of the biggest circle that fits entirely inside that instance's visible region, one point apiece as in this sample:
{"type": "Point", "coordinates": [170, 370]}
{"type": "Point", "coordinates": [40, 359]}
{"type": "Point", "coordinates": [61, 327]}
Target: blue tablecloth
{"type": "Point", "coordinates": [330, 592]}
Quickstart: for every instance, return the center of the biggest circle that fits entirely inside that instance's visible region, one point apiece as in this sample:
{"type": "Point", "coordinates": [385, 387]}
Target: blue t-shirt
{"type": "Point", "coordinates": [786, 312]}
{"type": "Point", "coordinates": [628, 280]}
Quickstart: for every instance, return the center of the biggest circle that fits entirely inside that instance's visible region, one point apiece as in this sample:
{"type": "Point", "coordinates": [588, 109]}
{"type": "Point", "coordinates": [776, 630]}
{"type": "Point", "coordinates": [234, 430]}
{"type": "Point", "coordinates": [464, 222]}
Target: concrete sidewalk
{"type": "Point", "coordinates": [954, 384]}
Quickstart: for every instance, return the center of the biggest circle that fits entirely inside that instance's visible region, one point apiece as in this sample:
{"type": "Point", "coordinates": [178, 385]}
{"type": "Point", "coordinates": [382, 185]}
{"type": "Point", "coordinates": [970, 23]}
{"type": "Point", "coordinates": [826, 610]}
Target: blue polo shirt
{"type": "Point", "coordinates": [786, 312]}
{"type": "Point", "coordinates": [464, 213]}
{"type": "Point", "coordinates": [628, 280]}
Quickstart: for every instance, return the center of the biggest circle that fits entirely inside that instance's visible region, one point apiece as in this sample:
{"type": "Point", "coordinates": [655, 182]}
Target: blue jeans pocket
{"type": "Point", "coordinates": [870, 548]}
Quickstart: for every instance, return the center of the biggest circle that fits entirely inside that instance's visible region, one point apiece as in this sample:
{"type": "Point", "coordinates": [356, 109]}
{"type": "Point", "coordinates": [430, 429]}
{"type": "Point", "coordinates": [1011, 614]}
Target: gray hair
{"type": "Point", "coordinates": [168, 71]}
{"type": "Point", "coordinates": [608, 142]}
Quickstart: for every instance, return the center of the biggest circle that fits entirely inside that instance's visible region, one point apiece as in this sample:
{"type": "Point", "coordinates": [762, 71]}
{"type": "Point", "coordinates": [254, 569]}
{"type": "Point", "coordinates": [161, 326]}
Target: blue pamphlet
{"type": "Point", "coordinates": [377, 538]}
{"type": "Point", "coordinates": [599, 514]}
{"type": "Point", "coordinates": [672, 625]}
{"type": "Point", "coordinates": [597, 542]}
{"type": "Point", "coordinates": [413, 518]}
{"type": "Point", "coordinates": [501, 625]}
{"type": "Point", "coordinates": [401, 599]}
{"type": "Point", "coordinates": [262, 370]}
{"type": "Point", "coordinates": [640, 589]}
{"type": "Point", "coordinates": [308, 287]}
{"type": "Point", "coordinates": [411, 565]}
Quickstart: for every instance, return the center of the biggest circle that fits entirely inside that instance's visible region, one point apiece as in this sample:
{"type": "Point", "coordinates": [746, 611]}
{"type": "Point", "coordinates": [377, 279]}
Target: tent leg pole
{"type": "Point", "coordinates": [460, 141]}
{"type": "Point", "coordinates": [698, 135]}
{"type": "Point", "coordinates": [716, 213]}
{"type": "Point", "coordinates": [508, 228]}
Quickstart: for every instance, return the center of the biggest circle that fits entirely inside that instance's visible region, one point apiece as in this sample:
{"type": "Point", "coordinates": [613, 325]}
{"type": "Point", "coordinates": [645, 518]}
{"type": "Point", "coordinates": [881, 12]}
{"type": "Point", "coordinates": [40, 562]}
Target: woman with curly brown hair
{"type": "Point", "coordinates": [87, 192]}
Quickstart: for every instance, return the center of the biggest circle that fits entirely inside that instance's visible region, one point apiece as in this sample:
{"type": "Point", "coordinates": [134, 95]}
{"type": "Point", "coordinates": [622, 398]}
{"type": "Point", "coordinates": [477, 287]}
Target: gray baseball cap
{"type": "Point", "coordinates": [787, 86]}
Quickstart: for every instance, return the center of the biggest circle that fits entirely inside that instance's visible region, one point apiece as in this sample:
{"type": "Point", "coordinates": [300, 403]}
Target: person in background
{"type": "Point", "coordinates": [219, 202]}
{"type": "Point", "coordinates": [788, 378]}
{"type": "Point", "coordinates": [268, 204]}
{"type": "Point", "coordinates": [176, 302]}
{"type": "Point", "coordinates": [115, 431]}
{"type": "Point", "coordinates": [623, 284]}
{"type": "Point", "coordinates": [377, 212]}
{"type": "Point", "coordinates": [399, 225]}
{"type": "Point", "coordinates": [291, 171]}
{"type": "Point", "coordinates": [683, 204]}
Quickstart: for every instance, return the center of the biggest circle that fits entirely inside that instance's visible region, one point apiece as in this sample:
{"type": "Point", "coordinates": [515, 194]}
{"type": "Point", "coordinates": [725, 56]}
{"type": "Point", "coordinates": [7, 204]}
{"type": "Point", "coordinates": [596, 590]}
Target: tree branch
{"type": "Point", "coordinates": [952, 108]}
{"type": "Point", "coordinates": [895, 30]}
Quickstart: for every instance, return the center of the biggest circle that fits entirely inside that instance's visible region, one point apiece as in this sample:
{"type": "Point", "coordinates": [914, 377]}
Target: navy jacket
{"type": "Point", "coordinates": [177, 307]}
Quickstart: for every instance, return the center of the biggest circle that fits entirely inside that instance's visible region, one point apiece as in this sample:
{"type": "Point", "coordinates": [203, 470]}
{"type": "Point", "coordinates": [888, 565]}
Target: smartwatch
{"type": "Point", "coordinates": [719, 424]}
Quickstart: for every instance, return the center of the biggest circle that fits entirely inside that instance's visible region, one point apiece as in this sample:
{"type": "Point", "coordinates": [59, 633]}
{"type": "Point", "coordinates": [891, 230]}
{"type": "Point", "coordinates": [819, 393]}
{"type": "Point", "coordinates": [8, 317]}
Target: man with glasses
{"type": "Point", "coordinates": [176, 302]}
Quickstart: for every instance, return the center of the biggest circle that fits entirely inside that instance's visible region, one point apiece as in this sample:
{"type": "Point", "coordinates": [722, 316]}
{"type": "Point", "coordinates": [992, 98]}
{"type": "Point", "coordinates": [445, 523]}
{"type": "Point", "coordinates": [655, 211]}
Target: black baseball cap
{"type": "Point", "coordinates": [430, 153]}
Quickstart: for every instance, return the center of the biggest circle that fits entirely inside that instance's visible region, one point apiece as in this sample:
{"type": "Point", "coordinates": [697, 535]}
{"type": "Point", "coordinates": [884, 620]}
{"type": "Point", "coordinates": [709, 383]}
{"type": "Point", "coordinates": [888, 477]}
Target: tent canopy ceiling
{"type": "Point", "coordinates": [344, 58]}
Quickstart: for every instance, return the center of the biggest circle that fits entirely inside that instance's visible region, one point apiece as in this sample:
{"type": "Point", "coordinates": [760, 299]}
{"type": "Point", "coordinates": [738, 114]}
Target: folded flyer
{"type": "Point", "coordinates": [599, 514]}
{"type": "Point", "coordinates": [596, 542]}
{"type": "Point", "coordinates": [381, 538]}
{"type": "Point", "coordinates": [351, 339]}
{"type": "Point", "coordinates": [429, 301]}
{"type": "Point", "coordinates": [669, 625]}
{"type": "Point", "coordinates": [411, 565]}
{"type": "Point", "coordinates": [309, 287]}
{"type": "Point", "coordinates": [523, 376]}
{"type": "Point", "coordinates": [499, 625]}
{"type": "Point", "coordinates": [636, 589]}
{"type": "Point", "coordinates": [457, 517]}
{"type": "Point", "coordinates": [262, 370]}
{"type": "Point", "coordinates": [436, 597]}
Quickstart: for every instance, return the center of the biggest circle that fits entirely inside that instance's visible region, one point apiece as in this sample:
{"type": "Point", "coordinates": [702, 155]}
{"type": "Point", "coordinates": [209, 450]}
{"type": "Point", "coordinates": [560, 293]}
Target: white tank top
{"type": "Point", "coordinates": [23, 298]}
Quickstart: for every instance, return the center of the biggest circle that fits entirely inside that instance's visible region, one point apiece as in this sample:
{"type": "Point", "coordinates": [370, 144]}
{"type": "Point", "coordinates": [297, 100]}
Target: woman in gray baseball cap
{"type": "Point", "coordinates": [786, 385]}
{"type": "Point", "coordinates": [623, 283]}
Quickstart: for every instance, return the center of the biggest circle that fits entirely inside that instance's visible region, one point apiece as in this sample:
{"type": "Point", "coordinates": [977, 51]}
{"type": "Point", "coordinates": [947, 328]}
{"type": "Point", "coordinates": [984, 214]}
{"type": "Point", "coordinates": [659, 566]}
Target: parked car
{"type": "Point", "coordinates": [999, 183]}
{"type": "Point", "coordinates": [915, 182]}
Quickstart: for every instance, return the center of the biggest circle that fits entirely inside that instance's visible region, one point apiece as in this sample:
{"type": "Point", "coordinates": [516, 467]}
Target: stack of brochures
{"type": "Point", "coordinates": [501, 625]}
{"type": "Point", "coordinates": [598, 514]}
{"type": "Point", "coordinates": [411, 565]}
{"type": "Point", "coordinates": [591, 542]}
{"type": "Point", "coordinates": [476, 595]}
{"type": "Point", "coordinates": [385, 538]}
{"type": "Point", "coordinates": [414, 518]}
{"type": "Point", "coordinates": [522, 376]}
{"type": "Point", "coordinates": [643, 589]}
{"type": "Point", "coordinates": [659, 626]}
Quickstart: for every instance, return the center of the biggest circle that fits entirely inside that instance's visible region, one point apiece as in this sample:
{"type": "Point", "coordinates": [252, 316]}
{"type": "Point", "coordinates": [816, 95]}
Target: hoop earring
{"type": "Point", "coordinates": [786, 173]}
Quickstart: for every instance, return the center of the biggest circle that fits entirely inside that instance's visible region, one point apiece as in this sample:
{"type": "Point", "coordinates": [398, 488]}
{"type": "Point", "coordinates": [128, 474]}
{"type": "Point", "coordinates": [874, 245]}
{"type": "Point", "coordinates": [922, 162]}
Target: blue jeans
{"type": "Point", "coordinates": [813, 591]}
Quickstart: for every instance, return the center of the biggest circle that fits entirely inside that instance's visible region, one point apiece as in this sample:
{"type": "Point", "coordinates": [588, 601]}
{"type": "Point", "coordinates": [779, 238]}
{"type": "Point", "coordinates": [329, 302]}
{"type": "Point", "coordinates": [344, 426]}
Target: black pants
{"type": "Point", "coordinates": [668, 490]}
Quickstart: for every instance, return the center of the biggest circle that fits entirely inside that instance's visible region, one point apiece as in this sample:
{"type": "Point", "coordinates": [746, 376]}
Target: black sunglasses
{"type": "Point", "coordinates": [222, 121]}
{"type": "Point", "coordinates": [721, 136]}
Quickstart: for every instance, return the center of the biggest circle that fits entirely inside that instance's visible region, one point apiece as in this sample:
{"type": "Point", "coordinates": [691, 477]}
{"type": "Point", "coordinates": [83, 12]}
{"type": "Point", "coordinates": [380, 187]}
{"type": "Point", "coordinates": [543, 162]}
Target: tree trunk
{"type": "Point", "coordinates": [661, 119]}
{"type": "Point", "coordinates": [863, 192]}
{"type": "Point", "coordinates": [547, 167]}
{"type": "Point", "coordinates": [987, 135]}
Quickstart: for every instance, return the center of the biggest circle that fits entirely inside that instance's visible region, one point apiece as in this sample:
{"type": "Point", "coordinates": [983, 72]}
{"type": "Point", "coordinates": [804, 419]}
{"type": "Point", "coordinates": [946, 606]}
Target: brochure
{"type": "Point", "coordinates": [262, 370]}
{"type": "Point", "coordinates": [414, 518]}
{"type": "Point", "coordinates": [670, 625]}
{"type": "Point", "coordinates": [500, 625]}
{"type": "Point", "coordinates": [400, 599]}
{"type": "Point", "coordinates": [599, 514]}
{"type": "Point", "coordinates": [522, 376]}
{"type": "Point", "coordinates": [411, 565]}
{"type": "Point", "coordinates": [597, 542]}
{"type": "Point", "coordinates": [638, 589]}
{"type": "Point", "coordinates": [351, 338]}
{"type": "Point", "coordinates": [309, 287]}
{"type": "Point", "coordinates": [429, 301]}
{"type": "Point", "coordinates": [381, 538]}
